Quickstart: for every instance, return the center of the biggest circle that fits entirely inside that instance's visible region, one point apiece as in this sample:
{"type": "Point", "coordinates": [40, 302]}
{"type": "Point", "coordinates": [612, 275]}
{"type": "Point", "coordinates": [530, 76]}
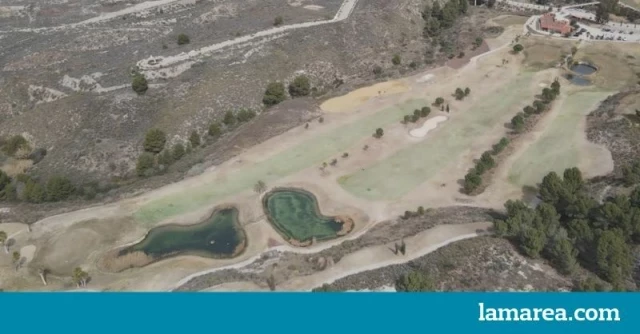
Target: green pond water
{"type": "Point", "coordinates": [217, 236]}
{"type": "Point", "coordinates": [295, 214]}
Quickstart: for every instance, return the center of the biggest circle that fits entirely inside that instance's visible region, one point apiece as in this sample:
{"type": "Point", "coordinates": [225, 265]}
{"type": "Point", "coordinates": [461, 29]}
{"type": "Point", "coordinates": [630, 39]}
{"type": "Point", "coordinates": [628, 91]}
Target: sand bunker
{"type": "Point", "coordinates": [27, 252]}
{"type": "Point", "coordinates": [358, 97]}
{"type": "Point", "coordinates": [428, 125]}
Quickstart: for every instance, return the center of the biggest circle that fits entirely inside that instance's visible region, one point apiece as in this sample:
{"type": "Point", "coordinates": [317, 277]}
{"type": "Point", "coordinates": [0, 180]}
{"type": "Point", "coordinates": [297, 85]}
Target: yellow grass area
{"type": "Point", "coordinates": [543, 52]}
{"type": "Point", "coordinates": [618, 63]}
{"type": "Point", "coordinates": [358, 97]}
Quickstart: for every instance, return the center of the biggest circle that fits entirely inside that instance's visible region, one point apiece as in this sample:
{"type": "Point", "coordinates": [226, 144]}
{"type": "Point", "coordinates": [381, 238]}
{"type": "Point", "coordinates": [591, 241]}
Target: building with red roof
{"type": "Point", "coordinates": [548, 22]}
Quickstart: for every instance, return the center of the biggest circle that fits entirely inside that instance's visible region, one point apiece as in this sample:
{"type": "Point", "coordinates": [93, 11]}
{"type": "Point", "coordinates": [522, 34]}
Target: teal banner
{"type": "Point", "coordinates": [321, 312]}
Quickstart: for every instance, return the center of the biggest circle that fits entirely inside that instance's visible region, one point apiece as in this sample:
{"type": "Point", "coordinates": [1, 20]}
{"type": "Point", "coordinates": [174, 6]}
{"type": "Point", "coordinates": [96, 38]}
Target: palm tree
{"type": "Point", "coordinates": [43, 272]}
{"type": "Point", "coordinates": [80, 277]}
{"type": "Point", "coordinates": [3, 240]}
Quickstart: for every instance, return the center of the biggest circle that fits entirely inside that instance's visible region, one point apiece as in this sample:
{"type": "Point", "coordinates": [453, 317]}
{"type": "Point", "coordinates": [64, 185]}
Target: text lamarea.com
{"type": "Point", "coordinates": [546, 314]}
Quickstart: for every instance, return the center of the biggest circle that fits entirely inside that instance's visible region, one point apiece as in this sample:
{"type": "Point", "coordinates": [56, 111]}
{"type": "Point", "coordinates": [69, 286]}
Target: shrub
{"type": "Point", "coordinates": [14, 144]}
{"type": "Point", "coordinates": [528, 110]}
{"type": "Point", "coordinates": [165, 158]}
{"type": "Point", "coordinates": [379, 133]}
{"type": "Point", "coordinates": [518, 48]}
{"type": "Point", "coordinates": [540, 106]}
{"type": "Point", "coordinates": [415, 281]}
{"type": "Point", "coordinates": [59, 188]}
{"type": "Point", "coordinates": [467, 91]}
{"type": "Point", "coordinates": [461, 54]}
{"type": "Point", "coordinates": [396, 60]}
{"type": "Point", "coordinates": [194, 138]}
{"type": "Point", "coordinates": [517, 122]}
{"type": "Point", "coordinates": [183, 39]}
{"type": "Point", "coordinates": [416, 113]}
{"type": "Point", "coordinates": [274, 94]}
{"type": "Point", "coordinates": [407, 118]}
{"type": "Point", "coordinates": [214, 129]}
{"type": "Point", "coordinates": [245, 115]}
{"type": "Point", "coordinates": [425, 111]}
{"type": "Point", "coordinates": [229, 118]}
{"type": "Point", "coordinates": [377, 70]}
{"type": "Point", "coordinates": [459, 94]}
{"type": "Point", "coordinates": [487, 160]}
{"type": "Point", "coordinates": [414, 118]}
{"type": "Point", "coordinates": [154, 141]}
{"type": "Point", "coordinates": [144, 164]}
{"type": "Point", "coordinates": [278, 21]}
{"type": "Point", "coordinates": [500, 146]}
{"type": "Point", "coordinates": [439, 101]}
{"type": "Point", "coordinates": [178, 151]}
{"type": "Point", "coordinates": [34, 192]}
{"type": "Point", "coordinates": [300, 86]}
{"type": "Point", "coordinates": [139, 83]}
{"type": "Point", "coordinates": [472, 181]}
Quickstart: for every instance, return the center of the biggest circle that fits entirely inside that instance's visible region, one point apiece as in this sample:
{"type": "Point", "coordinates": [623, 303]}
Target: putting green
{"type": "Point", "coordinates": [406, 169]}
{"type": "Point", "coordinates": [558, 147]}
{"type": "Point", "coordinates": [308, 153]}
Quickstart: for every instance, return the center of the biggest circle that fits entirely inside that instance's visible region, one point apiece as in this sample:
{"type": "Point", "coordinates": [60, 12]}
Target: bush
{"type": "Point", "coordinates": [500, 146]}
{"type": "Point", "coordinates": [278, 21]}
{"type": "Point", "coordinates": [300, 86]}
{"type": "Point", "coordinates": [178, 151]}
{"type": "Point", "coordinates": [472, 181]}
{"type": "Point", "coordinates": [439, 101]}
{"type": "Point", "coordinates": [377, 70]}
{"type": "Point", "coordinates": [425, 111]}
{"type": "Point", "coordinates": [139, 83]}
{"type": "Point", "coordinates": [59, 188]}
{"type": "Point", "coordinates": [34, 192]}
{"type": "Point", "coordinates": [396, 60]}
{"type": "Point", "coordinates": [154, 141]}
{"type": "Point", "coordinates": [415, 281]}
{"type": "Point", "coordinates": [379, 133]}
{"type": "Point", "coordinates": [274, 94]}
{"type": "Point", "coordinates": [214, 129]}
{"type": "Point", "coordinates": [518, 48]}
{"type": "Point", "coordinates": [165, 158]}
{"type": "Point", "coordinates": [229, 118]}
{"type": "Point", "coordinates": [194, 138]}
{"type": "Point", "coordinates": [144, 164]}
{"type": "Point", "coordinates": [539, 106]}
{"type": "Point", "coordinates": [459, 94]}
{"type": "Point", "coordinates": [528, 110]}
{"type": "Point", "coordinates": [517, 122]}
{"type": "Point", "coordinates": [467, 91]}
{"type": "Point", "coordinates": [486, 160]}
{"type": "Point", "coordinates": [183, 39]}
{"type": "Point", "coordinates": [461, 54]}
{"type": "Point", "coordinates": [245, 115]}
{"type": "Point", "coordinates": [416, 113]}
{"type": "Point", "coordinates": [406, 119]}
{"type": "Point", "coordinates": [14, 144]}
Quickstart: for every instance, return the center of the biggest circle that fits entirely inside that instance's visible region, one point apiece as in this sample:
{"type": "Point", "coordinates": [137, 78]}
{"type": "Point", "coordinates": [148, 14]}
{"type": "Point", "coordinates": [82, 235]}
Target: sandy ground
{"type": "Point", "coordinates": [27, 253]}
{"type": "Point", "coordinates": [358, 97]}
{"type": "Point", "coordinates": [428, 125]}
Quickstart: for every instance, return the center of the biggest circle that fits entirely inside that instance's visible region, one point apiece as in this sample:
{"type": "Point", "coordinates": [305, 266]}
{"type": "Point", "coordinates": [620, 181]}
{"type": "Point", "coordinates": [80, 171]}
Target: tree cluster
{"type": "Point", "coordinates": [438, 18]}
{"type": "Point", "coordinates": [569, 228]}
{"type": "Point", "coordinates": [276, 93]}
{"type": "Point", "coordinates": [473, 179]}
{"type": "Point", "coordinates": [26, 188]}
{"type": "Point", "coordinates": [417, 114]}
{"type": "Point", "coordinates": [631, 173]}
{"type": "Point", "coordinates": [460, 94]}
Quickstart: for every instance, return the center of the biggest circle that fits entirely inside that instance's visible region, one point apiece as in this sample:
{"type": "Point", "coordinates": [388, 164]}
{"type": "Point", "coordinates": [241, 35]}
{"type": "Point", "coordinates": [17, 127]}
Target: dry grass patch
{"type": "Point", "coordinates": [544, 52]}
{"type": "Point", "coordinates": [509, 20]}
{"type": "Point", "coordinates": [618, 64]}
